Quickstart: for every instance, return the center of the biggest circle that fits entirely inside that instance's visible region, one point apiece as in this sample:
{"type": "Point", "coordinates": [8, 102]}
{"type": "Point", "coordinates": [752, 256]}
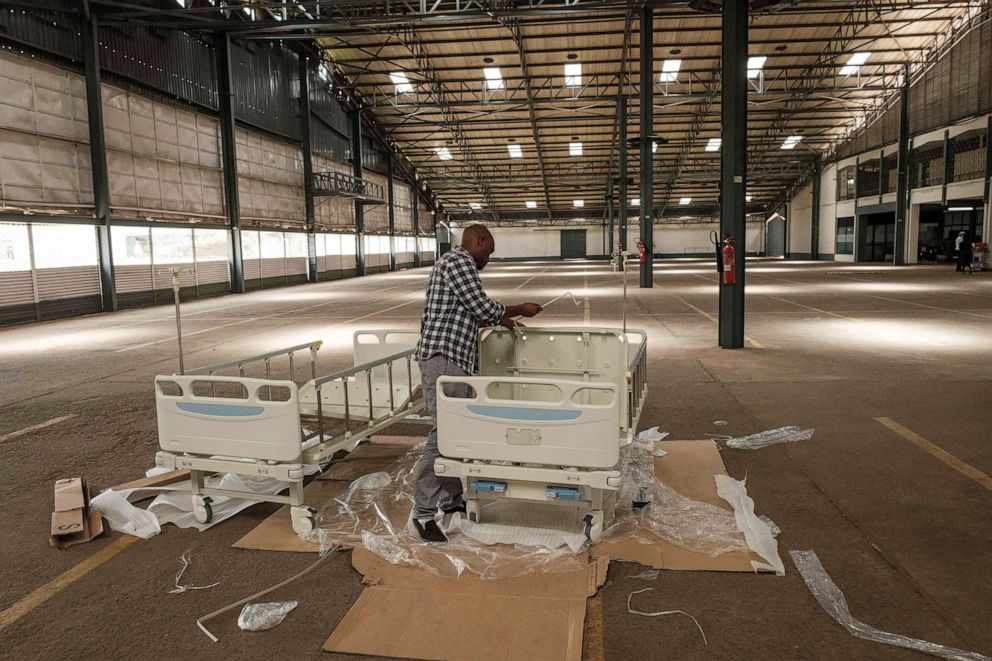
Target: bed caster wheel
{"type": "Point", "coordinates": [202, 511]}
{"type": "Point", "coordinates": [473, 511]}
{"type": "Point", "coordinates": [303, 520]}
{"type": "Point", "coordinates": [593, 526]}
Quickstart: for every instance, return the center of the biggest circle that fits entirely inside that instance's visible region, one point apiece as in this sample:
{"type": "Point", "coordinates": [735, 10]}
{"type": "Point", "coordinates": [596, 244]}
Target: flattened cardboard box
{"type": "Point", "coordinates": [73, 522]}
{"type": "Point", "coordinates": [409, 613]}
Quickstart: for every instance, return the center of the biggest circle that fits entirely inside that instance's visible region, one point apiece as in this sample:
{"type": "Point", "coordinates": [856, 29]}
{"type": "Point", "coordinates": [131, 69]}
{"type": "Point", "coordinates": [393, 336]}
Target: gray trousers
{"type": "Point", "coordinates": [431, 491]}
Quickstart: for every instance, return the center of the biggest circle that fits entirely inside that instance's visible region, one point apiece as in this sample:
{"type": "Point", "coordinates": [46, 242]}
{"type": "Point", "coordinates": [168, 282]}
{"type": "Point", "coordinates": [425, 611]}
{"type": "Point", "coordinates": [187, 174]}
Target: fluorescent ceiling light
{"type": "Point", "coordinates": [402, 83]}
{"type": "Point", "coordinates": [960, 208]}
{"type": "Point", "coordinates": [670, 71]}
{"type": "Point", "coordinates": [515, 151]}
{"type": "Point", "coordinates": [531, 204]}
{"type": "Point", "coordinates": [475, 206]}
{"type": "Point", "coordinates": [322, 73]}
{"type": "Point", "coordinates": [494, 79]}
{"type": "Point", "coordinates": [443, 153]}
{"type": "Point", "coordinates": [578, 203]}
{"type": "Point", "coordinates": [791, 142]}
{"type": "Point", "coordinates": [573, 74]}
{"type": "Point", "coordinates": [685, 200]}
{"type": "Point", "coordinates": [714, 144]}
{"type": "Point", "coordinates": [575, 149]}
{"type": "Point", "coordinates": [755, 65]}
{"type": "Point", "coordinates": [636, 202]}
{"type": "Point", "coordinates": [854, 63]}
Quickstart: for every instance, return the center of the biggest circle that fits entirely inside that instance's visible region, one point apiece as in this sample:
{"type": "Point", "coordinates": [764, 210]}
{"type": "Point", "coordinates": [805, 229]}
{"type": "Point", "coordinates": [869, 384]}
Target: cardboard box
{"type": "Point", "coordinates": [408, 613]}
{"type": "Point", "coordinates": [73, 522]}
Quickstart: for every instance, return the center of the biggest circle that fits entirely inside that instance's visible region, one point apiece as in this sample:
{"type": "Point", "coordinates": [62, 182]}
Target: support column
{"type": "Point", "coordinates": [647, 157]}
{"type": "Point", "coordinates": [306, 145]}
{"type": "Point", "coordinates": [609, 216]}
{"type": "Point", "coordinates": [733, 165]}
{"type": "Point", "coordinates": [622, 208]}
{"type": "Point", "coordinates": [416, 223]}
{"type": "Point", "coordinates": [98, 161]}
{"type": "Point", "coordinates": [987, 229]}
{"type": "Point", "coordinates": [229, 161]}
{"type": "Point", "coordinates": [391, 212]}
{"type": "Point", "coordinates": [356, 171]}
{"type": "Point", "coordinates": [900, 244]}
{"type": "Point", "coordinates": [814, 245]}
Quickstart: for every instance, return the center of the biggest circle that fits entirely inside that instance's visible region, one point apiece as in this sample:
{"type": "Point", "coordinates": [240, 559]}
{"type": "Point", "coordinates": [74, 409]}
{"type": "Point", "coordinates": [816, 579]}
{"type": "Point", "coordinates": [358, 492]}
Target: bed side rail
{"type": "Point", "coordinates": [637, 382]}
{"type": "Point", "coordinates": [267, 359]}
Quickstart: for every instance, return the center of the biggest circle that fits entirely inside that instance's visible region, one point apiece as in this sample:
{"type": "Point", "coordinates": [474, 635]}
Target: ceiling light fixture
{"type": "Point", "coordinates": [531, 204]}
{"type": "Point", "coordinates": [494, 78]}
{"type": "Point", "coordinates": [854, 63]}
{"type": "Point", "coordinates": [401, 82]}
{"type": "Point", "coordinates": [573, 74]}
{"type": "Point", "coordinates": [515, 151]}
{"type": "Point", "coordinates": [578, 203]}
{"type": "Point", "coordinates": [670, 71]}
{"type": "Point", "coordinates": [791, 142]}
{"type": "Point", "coordinates": [685, 200]}
{"type": "Point", "coordinates": [714, 144]}
{"type": "Point", "coordinates": [575, 149]}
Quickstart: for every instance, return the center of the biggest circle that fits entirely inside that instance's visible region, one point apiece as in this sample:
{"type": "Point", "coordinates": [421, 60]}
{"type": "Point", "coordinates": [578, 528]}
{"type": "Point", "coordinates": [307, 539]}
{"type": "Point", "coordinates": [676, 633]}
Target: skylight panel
{"type": "Point", "coordinates": [636, 202]}
{"type": "Point", "coordinates": [575, 149]}
{"type": "Point", "coordinates": [494, 78]}
{"type": "Point", "coordinates": [573, 74]}
{"type": "Point", "coordinates": [685, 200]}
{"type": "Point", "coordinates": [531, 204]}
{"type": "Point", "coordinates": [755, 65]}
{"type": "Point", "coordinates": [654, 146]}
{"type": "Point", "coordinates": [791, 142]}
{"type": "Point", "coordinates": [475, 206]}
{"type": "Point", "coordinates": [854, 63]}
{"type": "Point", "coordinates": [515, 151]}
{"type": "Point", "coordinates": [670, 71]}
{"type": "Point", "coordinates": [714, 144]}
{"type": "Point", "coordinates": [401, 82]}
{"type": "Point", "coordinates": [443, 153]}
{"type": "Point", "coordinates": [578, 203]}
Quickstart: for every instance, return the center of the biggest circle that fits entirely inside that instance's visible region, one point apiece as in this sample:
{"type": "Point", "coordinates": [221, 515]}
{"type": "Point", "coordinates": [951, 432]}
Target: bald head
{"type": "Point", "coordinates": [478, 242]}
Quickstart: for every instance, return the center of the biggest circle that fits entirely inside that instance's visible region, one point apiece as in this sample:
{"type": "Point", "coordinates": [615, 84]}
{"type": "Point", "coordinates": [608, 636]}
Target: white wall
{"type": "Point", "coordinates": [828, 211]}
{"type": "Point", "coordinates": [799, 224]}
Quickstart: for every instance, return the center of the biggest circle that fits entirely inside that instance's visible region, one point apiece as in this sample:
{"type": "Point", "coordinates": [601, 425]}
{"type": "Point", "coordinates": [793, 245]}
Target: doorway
{"type": "Point", "coordinates": [878, 237]}
{"type": "Point", "coordinates": [775, 236]}
{"type": "Point", "coordinates": [573, 244]}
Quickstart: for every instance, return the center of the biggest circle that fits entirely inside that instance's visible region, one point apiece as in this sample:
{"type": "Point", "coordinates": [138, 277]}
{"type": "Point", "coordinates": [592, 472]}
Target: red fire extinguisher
{"type": "Point", "coordinates": [641, 251]}
{"type": "Point", "coordinates": [729, 256]}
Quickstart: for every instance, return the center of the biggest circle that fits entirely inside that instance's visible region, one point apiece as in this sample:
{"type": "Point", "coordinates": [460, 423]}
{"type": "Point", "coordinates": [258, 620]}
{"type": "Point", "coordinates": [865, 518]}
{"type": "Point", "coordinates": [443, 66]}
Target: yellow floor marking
{"type": "Point", "coordinates": [593, 643]}
{"type": "Point", "coordinates": [750, 340]}
{"type": "Point", "coordinates": [60, 582]}
{"type": "Point", "coordinates": [41, 425]}
{"type": "Point", "coordinates": [962, 467]}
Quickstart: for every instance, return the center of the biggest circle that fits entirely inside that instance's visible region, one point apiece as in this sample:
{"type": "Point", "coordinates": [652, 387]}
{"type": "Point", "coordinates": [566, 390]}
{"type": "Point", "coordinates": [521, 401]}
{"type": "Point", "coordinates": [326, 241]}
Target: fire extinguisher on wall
{"type": "Point", "coordinates": [729, 261]}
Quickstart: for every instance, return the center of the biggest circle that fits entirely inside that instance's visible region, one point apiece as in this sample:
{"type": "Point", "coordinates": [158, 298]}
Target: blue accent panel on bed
{"type": "Point", "coordinates": [222, 410]}
{"type": "Point", "coordinates": [520, 413]}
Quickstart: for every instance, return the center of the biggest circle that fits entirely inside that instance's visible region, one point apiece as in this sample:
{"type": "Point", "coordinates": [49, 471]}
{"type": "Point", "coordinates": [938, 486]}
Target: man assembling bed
{"type": "Point", "coordinates": [455, 309]}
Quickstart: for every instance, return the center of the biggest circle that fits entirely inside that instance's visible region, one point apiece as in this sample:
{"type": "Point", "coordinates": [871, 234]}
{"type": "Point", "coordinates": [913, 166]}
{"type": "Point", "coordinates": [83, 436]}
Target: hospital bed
{"type": "Point", "coordinates": [253, 417]}
{"type": "Point", "coordinates": [546, 418]}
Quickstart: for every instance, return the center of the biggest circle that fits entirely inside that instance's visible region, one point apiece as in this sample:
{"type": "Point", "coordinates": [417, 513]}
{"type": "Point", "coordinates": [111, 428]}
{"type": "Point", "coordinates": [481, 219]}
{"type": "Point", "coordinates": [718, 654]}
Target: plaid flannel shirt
{"type": "Point", "coordinates": [455, 305]}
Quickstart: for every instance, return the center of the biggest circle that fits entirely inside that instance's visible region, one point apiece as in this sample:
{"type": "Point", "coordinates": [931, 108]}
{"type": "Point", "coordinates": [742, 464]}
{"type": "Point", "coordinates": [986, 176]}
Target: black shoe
{"type": "Point", "coordinates": [426, 530]}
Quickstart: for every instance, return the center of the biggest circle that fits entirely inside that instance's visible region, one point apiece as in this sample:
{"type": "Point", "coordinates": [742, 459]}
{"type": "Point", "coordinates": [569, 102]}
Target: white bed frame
{"type": "Point", "coordinates": [546, 419]}
{"type": "Point", "coordinates": [263, 426]}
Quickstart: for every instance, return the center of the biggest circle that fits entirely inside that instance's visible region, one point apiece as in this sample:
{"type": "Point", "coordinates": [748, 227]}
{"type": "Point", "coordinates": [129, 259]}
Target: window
{"type": "Point", "coordinates": [211, 245]}
{"type": "Point", "coordinates": [845, 183]}
{"type": "Point", "coordinates": [890, 172]}
{"type": "Point", "coordinates": [670, 71]}
{"type": "Point", "coordinates": [15, 248]}
{"type": "Point", "coordinates": [348, 244]}
{"type": "Point", "coordinates": [132, 246]}
{"type": "Point", "coordinates": [296, 244]}
{"type": "Point", "coordinates": [755, 65]}
{"type": "Point", "coordinates": [966, 153]}
{"type": "Point", "coordinates": [845, 236]}
{"type": "Point", "coordinates": [575, 149]}
{"type": "Point", "coordinates": [685, 201]}
{"type": "Point", "coordinates": [531, 204]}
{"type": "Point", "coordinates": [250, 248]}
{"type": "Point", "coordinates": [272, 245]}
{"type": "Point", "coordinates": [714, 144]}
{"type": "Point", "coordinates": [172, 246]}
{"type": "Point", "coordinates": [515, 151]}
{"type": "Point", "coordinates": [494, 79]}
{"type": "Point", "coordinates": [573, 74]}
{"type": "Point", "coordinates": [854, 63]}
{"type": "Point", "coordinates": [869, 178]}
{"type": "Point", "coordinates": [926, 165]}
{"type": "Point", "coordinates": [63, 246]}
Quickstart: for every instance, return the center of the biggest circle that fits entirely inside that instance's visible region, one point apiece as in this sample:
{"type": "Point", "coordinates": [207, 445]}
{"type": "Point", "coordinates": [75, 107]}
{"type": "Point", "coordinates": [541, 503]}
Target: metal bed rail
{"type": "Point", "coordinates": [240, 363]}
{"type": "Point", "coordinates": [637, 380]}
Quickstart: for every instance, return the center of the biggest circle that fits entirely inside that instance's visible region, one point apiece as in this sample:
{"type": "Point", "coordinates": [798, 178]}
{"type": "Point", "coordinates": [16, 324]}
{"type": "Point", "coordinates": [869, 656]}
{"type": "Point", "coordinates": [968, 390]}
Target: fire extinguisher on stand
{"type": "Point", "coordinates": [726, 258]}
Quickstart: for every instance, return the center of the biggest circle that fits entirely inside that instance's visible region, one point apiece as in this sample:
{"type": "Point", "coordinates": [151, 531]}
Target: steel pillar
{"type": "Point", "coordinates": [229, 160]}
{"type": "Point", "coordinates": [307, 148]}
{"type": "Point", "coordinates": [902, 174]}
{"type": "Point", "coordinates": [416, 223]}
{"type": "Point", "coordinates": [356, 170]}
{"type": "Point", "coordinates": [391, 212]}
{"type": "Point", "coordinates": [98, 161]}
{"type": "Point", "coordinates": [987, 230]}
{"type": "Point", "coordinates": [733, 166]}
{"type": "Point", "coordinates": [647, 157]}
{"type": "Point", "coordinates": [814, 245]}
{"type": "Point", "coordinates": [622, 208]}
{"type": "Point", "coordinates": [609, 216]}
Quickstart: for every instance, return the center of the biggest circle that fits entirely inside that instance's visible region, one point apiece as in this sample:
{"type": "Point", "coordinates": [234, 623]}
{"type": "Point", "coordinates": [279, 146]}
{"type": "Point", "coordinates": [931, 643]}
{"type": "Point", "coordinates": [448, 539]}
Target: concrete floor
{"type": "Point", "coordinates": [903, 534]}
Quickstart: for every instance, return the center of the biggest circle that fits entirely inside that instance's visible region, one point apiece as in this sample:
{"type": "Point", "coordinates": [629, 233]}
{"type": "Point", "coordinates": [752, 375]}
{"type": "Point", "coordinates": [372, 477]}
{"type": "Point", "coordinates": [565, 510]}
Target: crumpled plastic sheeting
{"type": "Point", "coordinates": [259, 617]}
{"type": "Point", "coordinates": [651, 435]}
{"type": "Point", "coordinates": [770, 437]}
{"type": "Point", "coordinates": [757, 533]}
{"type": "Point", "coordinates": [374, 513]}
{"type": "Point", "coordinates": [690, 524]}
{"type": "Point", "coordinates": [125, 517]}
{"type": "Point", "coordinates": [829, 596]}
{"type": "Point", "coordinates": [488, 533]}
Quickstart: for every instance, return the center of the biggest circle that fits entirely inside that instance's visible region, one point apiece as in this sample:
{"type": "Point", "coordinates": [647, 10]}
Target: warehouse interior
{"type": "Point", "coordinates": [781, 195]}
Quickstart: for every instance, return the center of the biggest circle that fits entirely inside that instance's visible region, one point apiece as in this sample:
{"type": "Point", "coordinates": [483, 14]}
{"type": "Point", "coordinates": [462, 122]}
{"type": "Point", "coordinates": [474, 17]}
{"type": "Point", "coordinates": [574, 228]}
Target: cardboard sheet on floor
{"type": "Point", "coordinates": [688, 467]}
{"type": "Point", "coordinates": [276, 533]}
{"type": "Point", "coordinates": [408, 613]}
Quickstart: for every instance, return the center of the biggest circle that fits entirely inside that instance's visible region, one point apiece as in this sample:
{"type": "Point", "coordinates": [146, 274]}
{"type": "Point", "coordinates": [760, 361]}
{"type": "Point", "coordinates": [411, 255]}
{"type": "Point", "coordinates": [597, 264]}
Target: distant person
{"type": "Point", "coordinates": [963, 247]}
{"type": "Point", "coordinates": [455, 308]}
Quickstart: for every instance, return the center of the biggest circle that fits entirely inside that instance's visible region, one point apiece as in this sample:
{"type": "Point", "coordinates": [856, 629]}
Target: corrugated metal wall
{"type": "Point", "coordinates": [270, 180]}
{"type": "Point", "coordinates": [377, 215]}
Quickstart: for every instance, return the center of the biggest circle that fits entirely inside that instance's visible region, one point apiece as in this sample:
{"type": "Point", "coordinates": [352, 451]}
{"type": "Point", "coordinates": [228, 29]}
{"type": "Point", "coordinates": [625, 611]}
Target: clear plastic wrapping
{"type": "Point", "coordinates": [829, 596]}
{"type": "Point", "coordinates": [771, 437]}
{"type": "Point", "coordinates": [259, 617]}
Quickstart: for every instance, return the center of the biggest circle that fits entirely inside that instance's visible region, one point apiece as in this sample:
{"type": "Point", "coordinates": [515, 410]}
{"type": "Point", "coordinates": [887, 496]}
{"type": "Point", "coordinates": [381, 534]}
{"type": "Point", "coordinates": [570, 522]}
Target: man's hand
{"type": "Point", "coordinates": [530, 309]}
{"type": "Point", "coordinates": [511, 324]}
